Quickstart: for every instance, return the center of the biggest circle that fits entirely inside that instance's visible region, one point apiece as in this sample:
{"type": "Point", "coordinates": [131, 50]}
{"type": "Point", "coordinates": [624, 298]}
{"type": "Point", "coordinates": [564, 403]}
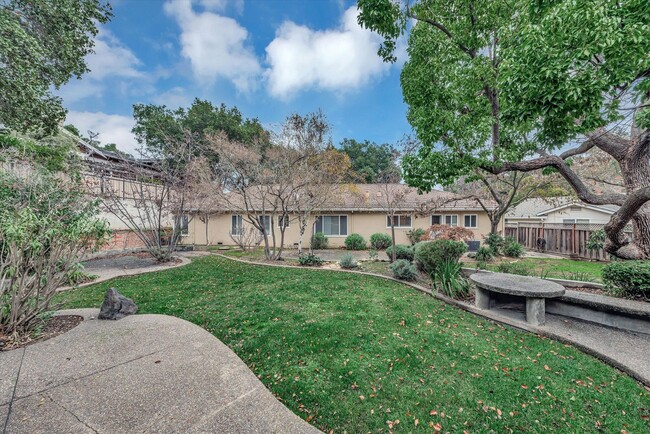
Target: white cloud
{"type": "Point", "coordinates": [339, 59]}
{"type": "Point", "coordinates": [174, 97]}
{"type": "Point", "coordinates": [215, 45]}
{"type": "Point", "coordinates": [110, 59]}
{"type": "Point", "coordinates": [111, 128]}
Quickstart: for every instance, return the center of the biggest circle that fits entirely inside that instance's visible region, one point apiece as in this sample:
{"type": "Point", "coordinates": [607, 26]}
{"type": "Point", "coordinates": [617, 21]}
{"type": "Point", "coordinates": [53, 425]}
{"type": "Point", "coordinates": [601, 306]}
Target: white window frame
{"type": "Point", "coordinates": [475, 218]}
{"type": "Point", "coordinates": [441, 219]}
{"type": "Point", "coordinates": [347, 223]}
{"type": "Point", "coordinates": [185, 225]}
{"type": "Point", "coordinates": [267, 226]}
{"type": "Point", "coordinates": [450, 218]}
{"type": "Point", "coordinates": [287, 218]}
{"type": "Point", "coordinates": [399, 221]}
{"type": "Point", "coordinates": [583, 222]}
{"type": "Point", "coordinates": [239, 219]}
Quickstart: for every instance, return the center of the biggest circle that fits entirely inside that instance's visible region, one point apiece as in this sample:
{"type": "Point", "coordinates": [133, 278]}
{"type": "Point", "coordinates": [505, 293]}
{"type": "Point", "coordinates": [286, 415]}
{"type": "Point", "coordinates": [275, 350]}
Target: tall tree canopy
{"type": "Point", "coordinates": [43, 45]}
{"type": "Point", "coordinates": [495, 87]}
{"type": "Point", "coordinates": [158, 125]}
{"type": "Point", "coordinates": [372, 163]}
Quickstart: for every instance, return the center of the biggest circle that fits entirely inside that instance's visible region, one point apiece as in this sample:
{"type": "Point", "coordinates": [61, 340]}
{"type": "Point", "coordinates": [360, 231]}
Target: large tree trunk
{"type": "Point", "coordinates": [635, 168]}
{"type": "Point", "coordinates": [633, 157]}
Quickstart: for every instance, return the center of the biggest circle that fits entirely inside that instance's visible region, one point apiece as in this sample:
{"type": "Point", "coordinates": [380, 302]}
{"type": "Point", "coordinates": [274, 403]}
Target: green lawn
{"type": "Point", "coordinates": [355, 354]}
{"type": "Point", "coordinates": [559, 268]}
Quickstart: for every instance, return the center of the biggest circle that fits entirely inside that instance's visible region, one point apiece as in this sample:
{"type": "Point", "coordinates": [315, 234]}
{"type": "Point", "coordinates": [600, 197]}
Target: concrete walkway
{"type": "Point", "coordinates": [144, 373]}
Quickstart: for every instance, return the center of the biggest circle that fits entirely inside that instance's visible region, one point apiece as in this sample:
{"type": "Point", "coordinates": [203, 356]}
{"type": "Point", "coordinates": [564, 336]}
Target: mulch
{"type": "Point", "coordinates": [54, 326]}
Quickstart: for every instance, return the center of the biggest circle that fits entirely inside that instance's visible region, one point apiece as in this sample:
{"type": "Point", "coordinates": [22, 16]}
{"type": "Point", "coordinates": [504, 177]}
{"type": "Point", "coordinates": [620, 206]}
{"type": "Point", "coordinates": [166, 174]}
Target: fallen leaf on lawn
{"type": "Point", "coordinates": [433, 412]}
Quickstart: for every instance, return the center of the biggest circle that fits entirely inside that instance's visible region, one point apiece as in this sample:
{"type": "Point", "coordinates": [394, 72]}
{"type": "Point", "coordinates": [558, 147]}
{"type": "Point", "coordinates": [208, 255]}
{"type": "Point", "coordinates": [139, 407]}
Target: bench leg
{"type": "Point", "coordinates": [482, 298]}
{"type": "Point", "coordinates": [535, 311]}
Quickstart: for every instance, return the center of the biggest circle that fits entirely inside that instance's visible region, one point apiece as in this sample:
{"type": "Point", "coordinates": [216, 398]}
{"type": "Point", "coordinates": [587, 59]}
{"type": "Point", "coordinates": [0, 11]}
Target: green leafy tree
{"type": "Point", "coordinates": [496, 87]}
{"type": "Point", "coordinates": [43, 45]}
{"type": "Point", "coordinates": [157, 126]}
{"type": "Point", "coordinates": [372, 162]}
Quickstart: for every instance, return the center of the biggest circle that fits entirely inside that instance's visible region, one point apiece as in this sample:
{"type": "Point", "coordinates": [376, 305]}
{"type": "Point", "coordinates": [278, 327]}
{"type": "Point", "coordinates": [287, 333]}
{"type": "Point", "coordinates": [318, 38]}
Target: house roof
{"type": "Point", "coordinates": [611, 209]}
{"type": "Point", "coordinates": [373, 198]}
{"type": "Point", "coordinates": [538, 207]}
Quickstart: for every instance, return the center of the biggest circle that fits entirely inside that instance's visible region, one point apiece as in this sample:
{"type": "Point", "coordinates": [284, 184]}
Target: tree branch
{"type": "Point", "coordinates": [470, 52]}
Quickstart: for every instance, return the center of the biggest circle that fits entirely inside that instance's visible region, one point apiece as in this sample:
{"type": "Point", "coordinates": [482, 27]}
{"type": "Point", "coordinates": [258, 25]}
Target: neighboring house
{"type": "Point", "coordinates": [107, 173]}
{"type": "Point", "coordinates": [358, 211]}
{"type": "Point", "coordinates": [560, 210]}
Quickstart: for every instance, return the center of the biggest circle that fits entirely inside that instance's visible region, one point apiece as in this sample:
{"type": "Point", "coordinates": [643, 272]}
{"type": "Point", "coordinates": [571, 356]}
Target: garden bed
{"type": "Point", "coordinates": [47, 329]}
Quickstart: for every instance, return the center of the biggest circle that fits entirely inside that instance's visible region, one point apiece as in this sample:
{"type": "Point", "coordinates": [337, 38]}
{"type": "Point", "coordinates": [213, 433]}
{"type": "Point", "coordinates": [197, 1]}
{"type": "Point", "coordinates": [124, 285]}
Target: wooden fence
{"type": "Point", "coordinates": [558, 238]}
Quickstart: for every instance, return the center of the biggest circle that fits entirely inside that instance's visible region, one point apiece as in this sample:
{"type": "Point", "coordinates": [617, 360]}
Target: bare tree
{"type": "Point", "coordinates": [284, 182]}
{"type": "Point", "coordinates": [151, 196]}
{"type": "Point", "coordinates": [391, 198]}
{"type": "Point", "coordinates": [497, 194]}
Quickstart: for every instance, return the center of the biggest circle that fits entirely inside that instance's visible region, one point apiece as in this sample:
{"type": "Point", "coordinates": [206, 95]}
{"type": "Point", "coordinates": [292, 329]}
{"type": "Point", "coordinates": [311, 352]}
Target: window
{"type": "Point", "coordinates": [451, 220]}
{"type": "Point", "coordinates": [575, 208]}
{"type": "Point", "coordinates": [332, 225]}
{"type": "Point", "coordinates": [265, 222]}
{"type": "Point", "coordinates": [185, 225]}
{"type": "Point", "coordinates": [237, 225]}
{"type": "Point", "coordinates": [400, 221]}
{"type": "Point", "coordinates": [283, 222]}
{"type": "Point", "coordinates": [582, 221]}
{"type": "Point", "coordinates": [436, 219]}
{"type": "Point", "coordinates": [471, 220]}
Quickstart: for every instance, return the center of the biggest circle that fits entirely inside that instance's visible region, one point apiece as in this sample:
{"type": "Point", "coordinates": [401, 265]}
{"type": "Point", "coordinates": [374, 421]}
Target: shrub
{"type": "Point", "coordinates": [429, 254]}
{"type": "Point", "coordinates": [310, 260]}
{"type": "Point", "coordinates": [495, 242]}
{"type": "Point", "coordinates": [484, 254]}
{"type": "Point", "coordinates": [77, 274]}
{"type": "Point", "coordinates": [348, 261]}
{"type": "Point", "coordinates": [628, 277]}
{"type": "Point", "coordinates": [514, 268]}
{"type": "Point", "coordinates": [46, 225]}
{"type": "Point", "coordinates": [319, 241]}
{"type": "Point", "coordinates": [596, 240]}
{"type": "Point", "coordinates": [373, 255]}
{"type": "Point", "coordinates": [402, 251]}
{"type": "Point", "coordinates": [380, 241]}
{"type": "Point", "coordinates": [446, 232]}
{"type": "Point", "coordinates": [355, 242]}
{"type": "Point", "coordinates": [404, 270]}
{"type": "Point", "coordinates": [415, 235]}
{"type": "Point", "coordinates": [512, 248]}
{"type": "Point", "coordinates": [449, 280]}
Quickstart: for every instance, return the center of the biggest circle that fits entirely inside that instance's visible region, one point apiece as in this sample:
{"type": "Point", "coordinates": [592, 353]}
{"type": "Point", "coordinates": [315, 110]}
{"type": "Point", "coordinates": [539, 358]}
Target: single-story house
{"type": "Point", "coordinates": [357, 209]}
{"type": "Point", "coordinates": [559, 210]}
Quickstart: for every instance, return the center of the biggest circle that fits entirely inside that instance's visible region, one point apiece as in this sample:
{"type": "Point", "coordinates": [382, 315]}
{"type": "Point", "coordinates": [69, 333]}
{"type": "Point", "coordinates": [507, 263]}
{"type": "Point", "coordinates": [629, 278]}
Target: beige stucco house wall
{"type": "Point", "coordinates": [216, 228]}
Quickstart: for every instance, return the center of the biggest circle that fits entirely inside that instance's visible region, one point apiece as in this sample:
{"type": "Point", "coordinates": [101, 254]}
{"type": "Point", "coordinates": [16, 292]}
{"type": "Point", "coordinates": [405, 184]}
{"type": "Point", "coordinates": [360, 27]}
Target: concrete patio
{"type": "Point", "coordinates": [144, 373]}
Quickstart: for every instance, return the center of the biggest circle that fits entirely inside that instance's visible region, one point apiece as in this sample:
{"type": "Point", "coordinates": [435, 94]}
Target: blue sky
{"type": "Point", "coordinates": [267, 57]}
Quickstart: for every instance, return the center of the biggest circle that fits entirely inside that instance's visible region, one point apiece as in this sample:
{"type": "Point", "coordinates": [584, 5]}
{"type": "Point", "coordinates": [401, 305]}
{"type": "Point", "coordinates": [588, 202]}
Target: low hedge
{"type": "Point", "coordinates": [628, 277]}
{"type": "Point", "coordinates": [430, 254]}
{"type": "Point", "coordinates": [404, 270]}
{"type": "Point", "coordinates": [380, 241]}
{"type": "Point", "coordinates": [355, 242]}
{"type": "Point", "coordinates": [402, 251]}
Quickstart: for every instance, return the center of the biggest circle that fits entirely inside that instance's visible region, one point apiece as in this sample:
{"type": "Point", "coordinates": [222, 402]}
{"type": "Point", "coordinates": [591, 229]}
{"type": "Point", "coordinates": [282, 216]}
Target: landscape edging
{"type": "Point", "coordinates": [473, 309]}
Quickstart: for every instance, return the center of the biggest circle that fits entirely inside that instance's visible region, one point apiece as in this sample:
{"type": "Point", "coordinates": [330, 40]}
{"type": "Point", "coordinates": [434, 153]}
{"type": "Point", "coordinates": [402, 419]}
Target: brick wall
{"type": "Point", "coordinates": [123, 240]}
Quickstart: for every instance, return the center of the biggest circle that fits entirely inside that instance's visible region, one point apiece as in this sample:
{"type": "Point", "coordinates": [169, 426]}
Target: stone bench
{"type": "Point", "coordinates": [534, 290]}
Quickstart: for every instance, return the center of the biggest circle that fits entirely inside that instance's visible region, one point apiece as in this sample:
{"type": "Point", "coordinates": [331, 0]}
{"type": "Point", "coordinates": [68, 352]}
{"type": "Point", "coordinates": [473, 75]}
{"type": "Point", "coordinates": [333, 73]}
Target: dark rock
{"type": "Point", "coordinates": [116, 306]}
